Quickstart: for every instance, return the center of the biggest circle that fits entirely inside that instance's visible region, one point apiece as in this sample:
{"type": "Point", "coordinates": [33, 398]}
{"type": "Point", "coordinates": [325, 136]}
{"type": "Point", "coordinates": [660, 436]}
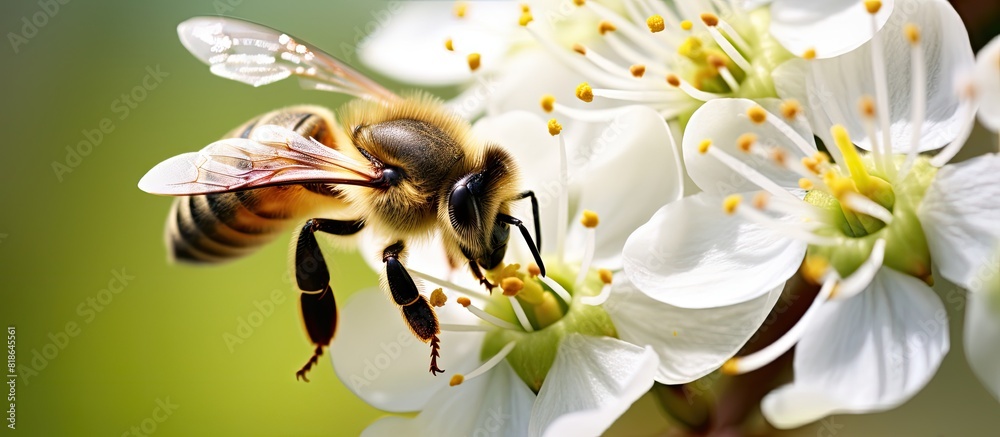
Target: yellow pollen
{"type": "Point", "coordinates": [691, 48]}
{"type": "Point", "coordinates": [605, 275]}
{"type": "Point", "coordinates": [605, 27]}
{"type": "Point", "coordinates": [704, 145]}
{"type": "Point", "coordinates": [511, 286]}
{"type": "Point", "coordinates": [579, 48]}
{"type": "Point", "coordinates": [851, 156]}
{"type": "Point", "coordinates": [579, 2]}
{"type": "Point", "coordinates": [589, 219]}
{"type": "Point", "coordinates": [790, 108]}
{"type": "Point", "coordinates": [456, 379]}
{"type": "Point", "coordinates": [710, 19]}
{"type": "Point", "coordinates": [730, 203]}
{"type": "Point", "coordinates": [548, 101]}
{"type": "Point", "coordinates": [461, 8]}
{"type": "Point", "coordinates": [675, 333]}
{"type": "Point", "coordinates": [760, 200]}
{"type": "Point", "coordinates": [525, 18]}
{"type": "Point", "coordinates": [585, 92]}
{"type": "Point", "coordinates": [673, 80]}
{"type": "Point", "coordinates": [745, 141]}
{"type": "Point", "coordinates": [814, 267]}
{"type": "Point", "coordinates": [730, 367]}
{"type": "Point", "coordinates": [867, 106]}
{"type": "Point", "coordinates": [637, 70]}
{"type": "Point", "coordinates": [438, 298]}
{"type": "Point", "coordinates": [448, 44]}
{"type": "Point", "coordinates": [912, 33]}
{"type": "Point", "coordinates": [463, 301]}
{"type": "Point", "coordinates": [655, 23]}
{"type": "Point", "coordinates": [757, 114]}
{"type": "Point", "coordinates": [822, 157]}
{"type": "Point", "coordinates": [716, 61]}
{"type": "Point", "coordinates": [525, 7]}
{"type": "Point", "coordinates": [805, 184]}
{"type": "Point", "coordinates": [687, 24]}
{"type": "Point", "coordinates": [533, 270]}
{"type": "Point", "coordinates": [873, 6]}
{"type": "Point", "coordinates": [554, 127]}
{"type": "Point", "coordinates": [473, 61]}
{"type": "Point", "coordinates": [809, 54]}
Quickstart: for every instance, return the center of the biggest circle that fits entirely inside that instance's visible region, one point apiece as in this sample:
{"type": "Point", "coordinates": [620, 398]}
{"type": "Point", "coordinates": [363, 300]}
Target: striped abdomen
{"type": "Point", "coordinates": [218, 227]}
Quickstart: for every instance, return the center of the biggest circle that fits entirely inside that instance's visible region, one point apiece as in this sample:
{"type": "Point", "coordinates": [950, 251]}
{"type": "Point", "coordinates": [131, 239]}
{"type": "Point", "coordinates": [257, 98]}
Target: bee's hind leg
{"type": "Point", "coordinates": [416, 310]}
{"type": "Point", "coordinates": [319, 308]}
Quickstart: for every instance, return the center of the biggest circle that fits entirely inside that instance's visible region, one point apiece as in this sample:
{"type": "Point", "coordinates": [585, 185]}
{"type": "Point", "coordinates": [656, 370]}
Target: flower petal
{"type": "Point", "coordinates": [723, 121]}
{"type": "Point", "coordinates": [692, 255]}
{"type": "Point", "coordinates": [869, 353]}
{"type": "Point", "coordinates": [837, 84]}
{"type": "Point", "coordinates": [495, 404]}
{"type": "Point", "coordinates": [380, 360]}
{"type": "Point", "coordinates": [988, 84]}
{"type": "Point", "coordinates": [982, 326]}
{"type": "Point", "coordinates": [961, 217]}
{"type": "Point", "coordinates": [691, 343]}
{"type": "Point", "coordinates": [831, 27]}
{"type": "Point", "coordinates": [591, 383]}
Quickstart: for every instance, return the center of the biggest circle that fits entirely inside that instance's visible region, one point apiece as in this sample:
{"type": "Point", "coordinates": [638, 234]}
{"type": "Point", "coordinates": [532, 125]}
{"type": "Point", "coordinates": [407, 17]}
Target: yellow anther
{"type": "Point", "coordinates": [790, 108]}
{"type": "Point", "coordinates": [873, 6]}
{"type": "Point", "coordinates": [533, 270]}
{"type": "Point", "coordinates": [579, 2]}
{"type": "Point", "coordinates": [806, 184]}
{"type": "Point", "coordinates": [730, 203]}
{"type": "Point", "coordinates": [814, 268]}
{"type": "Point", "coordinates": [811, 164]}
{"type": "Point", "coordinates": [579, 48]}
{"type": "Point", "coordinates": [673, 80]}
{"type": "Point", "coordinates": [757, 114]}
{"type": "Point", "coordinates": [779, 156]}
{"type": "Point", "coordinates": [821, 157]}
{"type": "Point", "coordinates": [456, 379]}
{"type": "Point", "coordinates": [912, 33]}
{"type": "Point", "coordinates": [460, 9]}
{"type": "Point", "coordinates": [867, 106]}
{"type": "Point", "coordinates": [473, 61]}
{"type": "Point", "coordinates": [710, 19]}
{"type": "Point", "coordinates": [548, 102]}
{"type": "Point", "coordinates": [511, 286]}
{"type": "Point", "coordinates": [637, 70]}
{"type": "Point", "coordinates": [589, 219]}
{"type": "Point", "coordinates": [554, 127]}
{"type": "Point", "coordinates": [809, 54]}
{"type": "Point", "coordinates": [716, 61]}
{"type": "Point", "coordinates": [760, 200]}
{"type": "Point", "coordinates": [525, 7]}
{"type": "Point", "coordinates": [605, 275]}
{"type": "Point", "coordinates": [730, 367]}
{"type": "Point", "coordinates": [704, 145]}
{"type": "Point", "coordinates": [449, 44]}
{"type": "Point", "coordinates": [675, 333]}
{"type": "Point", "coordinates": [585, 92]}
{"type": "Point", "coordinates": [851, 156]}
{"type": "Point", "coordinates": [691, 48]}
{"type": "Point", "coordinates": [687, 24]}
{"type": "Point", "coordinates": [605, 27]}
{"type": "Point", "coordinates": [463, 301]}
{"type": "Point", "coordinates": [438, 298]}
{"type": "Point", "coordinates": [525, 18]}
{"type": "Point", "coordinates": [655, 23]}
{"type": "Point", "coordinates": [745, 141]}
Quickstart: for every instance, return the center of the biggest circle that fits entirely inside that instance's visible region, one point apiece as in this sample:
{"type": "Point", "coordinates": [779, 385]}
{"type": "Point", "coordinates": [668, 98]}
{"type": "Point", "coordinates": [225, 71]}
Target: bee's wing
{"type": "Point", "coordinates": [273, 155]}
{"type": "Point", "coordinates": [258, 55]}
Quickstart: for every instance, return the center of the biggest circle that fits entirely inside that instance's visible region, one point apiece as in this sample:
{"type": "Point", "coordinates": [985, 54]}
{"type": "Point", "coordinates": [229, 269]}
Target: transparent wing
{"type": "Point", "coordinates": [273, 155]}
{"type": "Point", "coordinates": [258, 55]}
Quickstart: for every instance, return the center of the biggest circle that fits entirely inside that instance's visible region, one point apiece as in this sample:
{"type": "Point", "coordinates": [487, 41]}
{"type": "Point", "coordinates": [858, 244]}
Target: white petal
{"type": "Point", "coordinates": [409, 43]}
{"type": "Point", "coordinates": [723, 121]}
{"type": "Point", "coordinates": [591, 383]}
{"type": "Point", "coordinates": [982, 327]}
{"type": "Point", "coordinates": [692, 255]}
{"type": "Point", "coordinates": [869, 353]}
{"type": "Point", "coordinates": [837, 84]}
{"type": "Point", "coordinates": [380, 360]}
{"type": "Point", "coordinates": [960, 216]}
{"type": "Point", "coordinates": [831, 27]}
{"type": "Point", "coordinates": [691, 343]}
{"type": "Point", "coordinates": [633, 170]}
{"type": "Point", "coordinates": [528, 75]}
{"type": "Point", "coordinates": [495, 404]}
{"type": "Point", "coordinates": [988, 84]}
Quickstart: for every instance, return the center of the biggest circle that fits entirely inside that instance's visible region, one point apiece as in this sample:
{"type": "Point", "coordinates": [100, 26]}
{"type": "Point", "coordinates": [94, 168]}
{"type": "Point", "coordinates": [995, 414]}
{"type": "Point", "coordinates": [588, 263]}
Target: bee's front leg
{"type": "Point", "coordinates": [415, 308]}
{"type": "Point", "coordinates": [319, 308]}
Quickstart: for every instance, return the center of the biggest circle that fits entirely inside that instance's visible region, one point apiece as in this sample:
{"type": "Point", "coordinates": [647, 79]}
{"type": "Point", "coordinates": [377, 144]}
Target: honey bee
{"type": "Point", "coordinates": [404, 166]}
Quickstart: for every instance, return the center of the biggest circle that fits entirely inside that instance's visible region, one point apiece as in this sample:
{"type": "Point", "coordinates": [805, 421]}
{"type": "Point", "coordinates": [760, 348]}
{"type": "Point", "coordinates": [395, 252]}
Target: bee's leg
{"type": "Point", "coordinates": [319, 308]}
{"type": "Point", "coordinates": [534, 214]}
{"type": "Point", "coordinates": [415, 308]}
{"type": "Point", "coordinates": [474, 265]}
{"type": "Point", "coordinates": [504, 218]}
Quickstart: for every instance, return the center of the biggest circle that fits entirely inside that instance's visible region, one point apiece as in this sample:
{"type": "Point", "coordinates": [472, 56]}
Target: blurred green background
{"type": "Point", "coordinates": [65, 234]}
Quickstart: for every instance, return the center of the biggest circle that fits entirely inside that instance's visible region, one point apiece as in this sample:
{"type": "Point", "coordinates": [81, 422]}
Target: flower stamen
{"type": "Point", "coordinates": [918, 93]}
{"type": "Point", "coordinates": [485, 316]}
{"type": "Point", "coordinates": [863, 275]}
{"type": "Point", "coordinates": [458, 378]}
{"type": "Point", "coordinates": [589, 221]}
{"type": "Point", "coordinates": [522, 318]}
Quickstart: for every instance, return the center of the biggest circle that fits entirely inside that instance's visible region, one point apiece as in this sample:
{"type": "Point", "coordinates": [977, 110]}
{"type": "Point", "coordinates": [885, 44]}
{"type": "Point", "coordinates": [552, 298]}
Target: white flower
{"type": "Point", "coordinates": [570, 352]}
{"type": "Point", "coordinates": [864, 227]}
{"type": "Point", "coordinates": [987, 84]}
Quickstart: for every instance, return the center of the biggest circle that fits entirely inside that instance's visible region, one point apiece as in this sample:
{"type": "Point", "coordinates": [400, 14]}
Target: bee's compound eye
{"type": "Point", "coordinates": [391, 176]}
{"type": "Point", "coordinates": [463, 207]}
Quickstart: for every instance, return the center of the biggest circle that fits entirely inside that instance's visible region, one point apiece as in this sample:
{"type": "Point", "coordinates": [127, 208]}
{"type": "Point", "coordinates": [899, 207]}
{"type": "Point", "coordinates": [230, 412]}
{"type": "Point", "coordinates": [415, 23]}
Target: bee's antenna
{"type": "Point", "coordinates": [527, 237]}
